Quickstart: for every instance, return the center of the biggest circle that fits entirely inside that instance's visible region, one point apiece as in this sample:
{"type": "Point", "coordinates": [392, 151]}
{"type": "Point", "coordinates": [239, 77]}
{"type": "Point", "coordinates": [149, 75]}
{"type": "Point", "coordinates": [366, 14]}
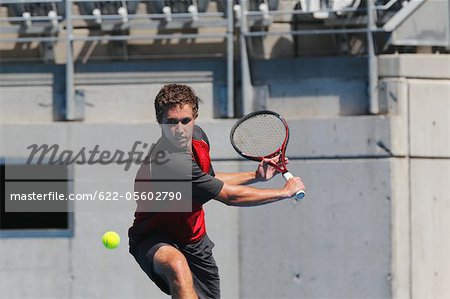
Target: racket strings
{"type": "Point", "coordinates": [260, 135]}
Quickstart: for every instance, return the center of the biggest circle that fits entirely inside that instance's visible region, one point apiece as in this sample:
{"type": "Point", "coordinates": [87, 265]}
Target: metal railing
{"type": "Point", "coordinates": [39, 32]}
{"type": "Point", "coordinates": [237, 18]}
{"type": "Point", "coordinates": [320, 13]}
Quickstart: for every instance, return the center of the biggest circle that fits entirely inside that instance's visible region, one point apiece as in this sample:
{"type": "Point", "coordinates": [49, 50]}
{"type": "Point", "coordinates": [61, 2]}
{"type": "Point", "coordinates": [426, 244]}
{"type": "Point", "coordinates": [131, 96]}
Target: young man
{"type": "Point", "coordinates": [172, 247]}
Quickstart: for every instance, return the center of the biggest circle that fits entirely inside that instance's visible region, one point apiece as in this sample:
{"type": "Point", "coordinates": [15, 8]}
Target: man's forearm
{"type": "Point", "coordinates": [237, 195]}
{"type": "Point", "coordinates": [237, 178]}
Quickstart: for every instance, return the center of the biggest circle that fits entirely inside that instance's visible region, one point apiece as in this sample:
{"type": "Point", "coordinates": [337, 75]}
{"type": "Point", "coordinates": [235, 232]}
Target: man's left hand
{"type": "Point", "coordinates": [266, 171]}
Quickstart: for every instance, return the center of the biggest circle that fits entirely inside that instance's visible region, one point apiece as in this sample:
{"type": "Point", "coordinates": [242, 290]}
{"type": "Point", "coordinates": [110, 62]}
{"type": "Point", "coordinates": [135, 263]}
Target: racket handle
{"type": "Point", "coordinates": [301, 193]}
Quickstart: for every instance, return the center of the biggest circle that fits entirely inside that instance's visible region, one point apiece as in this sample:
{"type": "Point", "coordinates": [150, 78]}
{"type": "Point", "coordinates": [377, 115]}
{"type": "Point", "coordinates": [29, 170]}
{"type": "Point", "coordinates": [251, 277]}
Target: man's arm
{"type": "Point", "coordinates": [264, 172]}
{"type": "Point", "coordinates": [237, 178]}
{"type": "Point", "coordinates": [237, 195]}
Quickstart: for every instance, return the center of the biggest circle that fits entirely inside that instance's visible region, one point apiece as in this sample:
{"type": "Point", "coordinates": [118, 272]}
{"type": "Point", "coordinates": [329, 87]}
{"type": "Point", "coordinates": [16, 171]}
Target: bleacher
{"type": "Point", "coordinates": [238, 32]}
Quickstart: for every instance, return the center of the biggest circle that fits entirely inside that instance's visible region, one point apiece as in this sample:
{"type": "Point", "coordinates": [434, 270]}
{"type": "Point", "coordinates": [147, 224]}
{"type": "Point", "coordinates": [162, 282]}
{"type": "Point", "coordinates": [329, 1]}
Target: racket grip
{"type": "Point", "coordinates": [301, 193]}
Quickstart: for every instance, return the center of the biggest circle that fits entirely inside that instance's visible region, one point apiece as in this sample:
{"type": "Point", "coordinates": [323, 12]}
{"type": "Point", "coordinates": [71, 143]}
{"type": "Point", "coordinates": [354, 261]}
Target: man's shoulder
{"type": "Point", "coordinates": [199, 134]}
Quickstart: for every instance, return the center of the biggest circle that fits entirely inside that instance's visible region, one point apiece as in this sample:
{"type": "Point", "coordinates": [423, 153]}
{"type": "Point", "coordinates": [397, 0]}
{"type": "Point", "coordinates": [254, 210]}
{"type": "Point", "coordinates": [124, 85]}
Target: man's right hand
{"type": "Point", "coordinates": [294, 185]}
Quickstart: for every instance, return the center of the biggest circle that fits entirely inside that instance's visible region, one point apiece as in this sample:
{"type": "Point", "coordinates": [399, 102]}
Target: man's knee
{"type": "Point", "coordinates": [171, 263]}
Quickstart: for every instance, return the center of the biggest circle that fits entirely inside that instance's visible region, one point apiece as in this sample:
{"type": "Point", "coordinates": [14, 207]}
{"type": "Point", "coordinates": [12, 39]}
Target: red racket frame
{"type": "Point", "coordinates": [281, 150]}
{"type": "Point", "coordinates": [281, 166]}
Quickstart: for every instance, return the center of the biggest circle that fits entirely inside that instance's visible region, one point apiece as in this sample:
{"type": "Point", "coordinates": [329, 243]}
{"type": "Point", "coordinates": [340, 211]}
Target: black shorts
{"type": "Point", "coordinates": [199, 256]}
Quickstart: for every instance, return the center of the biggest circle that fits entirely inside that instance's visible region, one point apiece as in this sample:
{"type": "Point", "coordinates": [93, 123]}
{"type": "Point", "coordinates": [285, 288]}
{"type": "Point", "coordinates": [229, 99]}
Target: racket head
{"type": "Point", "coordinates": [259, 135]}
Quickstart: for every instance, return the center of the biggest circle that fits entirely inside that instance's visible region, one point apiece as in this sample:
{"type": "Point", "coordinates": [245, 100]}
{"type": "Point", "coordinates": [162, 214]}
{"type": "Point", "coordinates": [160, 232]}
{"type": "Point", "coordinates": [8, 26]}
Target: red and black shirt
{"type": "Point", "coordinates": [183, 227]}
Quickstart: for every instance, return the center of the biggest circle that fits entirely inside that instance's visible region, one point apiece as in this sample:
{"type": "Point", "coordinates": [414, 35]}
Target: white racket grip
{"type": "Point", "coordinates": [301, 193]}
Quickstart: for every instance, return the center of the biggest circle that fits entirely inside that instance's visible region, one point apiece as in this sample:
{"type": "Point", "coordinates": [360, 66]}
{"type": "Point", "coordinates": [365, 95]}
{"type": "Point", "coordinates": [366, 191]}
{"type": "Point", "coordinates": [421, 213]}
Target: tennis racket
{"type": "Point", "coordinates": [263, 134]}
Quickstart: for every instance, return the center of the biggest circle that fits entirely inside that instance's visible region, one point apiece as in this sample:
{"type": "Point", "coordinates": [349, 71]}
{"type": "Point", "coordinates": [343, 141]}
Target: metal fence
{"type": "Point", "coordinates": [51, 21]}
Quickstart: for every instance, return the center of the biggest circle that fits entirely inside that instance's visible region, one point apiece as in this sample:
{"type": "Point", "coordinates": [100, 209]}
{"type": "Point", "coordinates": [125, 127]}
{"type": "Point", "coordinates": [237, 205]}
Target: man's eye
{"type": "Point", "coordinates": [175, 121]}
{"type": "Point", "coordinates": [172, 121]}
{"type": "Point", "coordinates": [185, 120]}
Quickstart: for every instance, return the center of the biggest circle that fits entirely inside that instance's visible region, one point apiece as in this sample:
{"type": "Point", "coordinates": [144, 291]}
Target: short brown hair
{"type": "Point", "coordinates": [173, 95]}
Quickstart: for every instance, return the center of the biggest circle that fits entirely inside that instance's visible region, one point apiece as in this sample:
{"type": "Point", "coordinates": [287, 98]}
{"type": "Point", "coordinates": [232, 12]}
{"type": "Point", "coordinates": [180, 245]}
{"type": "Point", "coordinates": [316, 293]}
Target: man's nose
{"type": "Point", "coordinates": [179, 127]}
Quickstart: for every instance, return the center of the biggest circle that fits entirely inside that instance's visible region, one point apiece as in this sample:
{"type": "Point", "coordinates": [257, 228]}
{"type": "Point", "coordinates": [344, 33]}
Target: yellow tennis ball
{"type": "Point", "coordinates": [111, 239]}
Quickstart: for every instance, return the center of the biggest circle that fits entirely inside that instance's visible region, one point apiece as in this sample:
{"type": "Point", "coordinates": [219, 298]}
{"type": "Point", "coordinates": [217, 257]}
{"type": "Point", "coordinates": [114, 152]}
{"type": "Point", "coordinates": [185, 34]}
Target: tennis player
{"type": "Point", "coordinates": [173, 248]}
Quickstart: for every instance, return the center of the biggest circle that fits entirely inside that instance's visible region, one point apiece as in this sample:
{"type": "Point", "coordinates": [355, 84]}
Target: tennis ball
{"type": "Point", "coordinates": [111, 239]}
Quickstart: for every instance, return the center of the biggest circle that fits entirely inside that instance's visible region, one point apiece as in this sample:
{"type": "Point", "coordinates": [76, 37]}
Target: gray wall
{"type": "Point", "coordinates": [80, 267]}
{"type": "Point", "coordinates": [421, 230]}
{"type": "Point", "coordinates": [374, 223]}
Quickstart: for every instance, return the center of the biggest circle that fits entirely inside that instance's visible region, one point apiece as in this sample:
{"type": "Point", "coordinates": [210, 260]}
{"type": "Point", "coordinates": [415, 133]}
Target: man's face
{"type": "Point", "coordinates": [178, 126]}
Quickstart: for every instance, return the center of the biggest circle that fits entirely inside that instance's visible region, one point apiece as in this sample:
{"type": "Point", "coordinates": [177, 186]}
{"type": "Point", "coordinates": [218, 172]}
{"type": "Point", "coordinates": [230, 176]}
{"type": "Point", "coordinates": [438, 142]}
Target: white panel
{"type": "Point", "coordinates": [430, 213]}
{"type": "Point", "coordinates": [334, 244]}
{"type": "Point", "coordinates": [429, 118]}
{"type": "Point", "coordinates": [34, 268]}
{"type": "Point", "coordinates": [324, 97]}
{"type": "Point", "coordinates": [25, 104]}
{"type": "Point", "coordinates": [400, 230]}
{"type": "Point", "coordinates": [16, 138]}
{"type": "Point", "coordinates": [134, 102]}
{"type": "Point", "coordinates": [223, 229]}
{"type": "Point", "coordinates": [414, 66]}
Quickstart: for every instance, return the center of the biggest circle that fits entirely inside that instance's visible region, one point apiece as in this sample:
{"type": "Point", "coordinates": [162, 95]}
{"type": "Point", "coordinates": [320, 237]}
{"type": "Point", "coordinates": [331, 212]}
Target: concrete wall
{"type": "Point", "coordinates": [430, 193]}
{"type": "Point", "coordinates": [246, 239]}
{"type": "Point", "coordinates": [315, 87]}
{"type": "Point", "coordinates": [374, 223]}
{"type": "Point", "coordinates": [80, 267]}
{"type": "Point", "coordinates": [38, 92]}
{"type": "Point", "coordinates": [421, 104]}
{"type": "Point", "coordinates": [332, 245]}
{"type": "Point", "coordinates": [243, 238]}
